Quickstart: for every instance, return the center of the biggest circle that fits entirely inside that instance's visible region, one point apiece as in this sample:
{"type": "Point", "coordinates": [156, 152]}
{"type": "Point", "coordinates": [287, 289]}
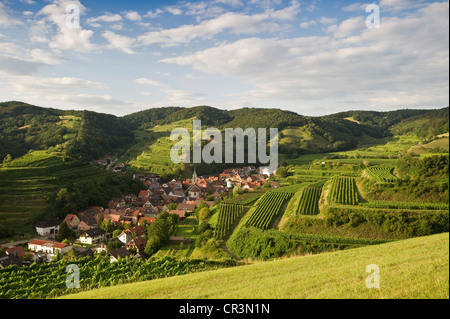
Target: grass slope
{"type": "Point", "coordinates": [413, 268]}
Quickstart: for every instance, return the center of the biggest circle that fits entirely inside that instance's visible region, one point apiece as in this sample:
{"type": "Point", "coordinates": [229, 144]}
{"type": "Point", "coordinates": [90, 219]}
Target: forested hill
{"type": "Point", "coordinates": [80, 134]}
{"type": "Point", "coordinates": [300, 134]}
{"type": "Point", "coordinates": [89, 135]}
{"type": "Point", "coordinates": [423, 123]}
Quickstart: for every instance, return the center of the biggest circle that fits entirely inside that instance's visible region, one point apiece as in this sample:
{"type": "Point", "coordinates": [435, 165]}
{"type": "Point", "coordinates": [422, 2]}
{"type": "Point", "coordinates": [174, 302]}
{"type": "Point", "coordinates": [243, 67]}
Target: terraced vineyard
{"type": "Point", "coordinates": [228, 214]}
{"type": "Point", "coordinates": [382, 173]}
{"type": "Point", "coordinates": [268, 207]}
{"type": "Point", "coordinates": [343, 190]}
{"type": "Point", "coordinates": [309, 200]}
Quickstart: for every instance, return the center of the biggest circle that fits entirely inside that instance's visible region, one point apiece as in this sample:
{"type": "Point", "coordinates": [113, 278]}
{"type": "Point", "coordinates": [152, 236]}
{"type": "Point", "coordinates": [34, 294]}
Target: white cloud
{"type": "Point", "coordinates": [406, 60]}
{"type": "Point", "coordinates": [172, 96]}
{"type": "Point", "coordinates": [15, 59]}
{"type": "Point", "coordinates": [174, 10]}
{"type": "Point", "coordinates": [307, 24]}
{"type": "Point", "coordinates": [236, 23]}
{"type": "Point", "coordinates": [66, 38]}
{"type": "Point", "coordinates": [6, 20]}
{"type": "Point", "coordinates": [397, 5]}
{"type": "Point", "coordinates": [152, 15]}
{"type": "Point", "coordinates": [348, 27]}
{"type": "Point", "coordinates": [132, 15]}
{"type": "Point", "coordinates": [117, 41]}
{"type": "Point", "coordinates": [109, 17]}
{"type": "Point", "coordinates": [146, 81]}
{"type": "Point", "coordinates": [325, 20]}
{"type": "Point", "coordinates": [28, 1]}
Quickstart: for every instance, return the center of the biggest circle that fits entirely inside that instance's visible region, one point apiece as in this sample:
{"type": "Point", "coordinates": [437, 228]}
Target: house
{"type": "Point", "coordinates": [118, 254]}
{"type": "Point", "coordinates": [177, 193]}
{"type": "Point", "coordinates": [16, 251]}
{"type": "Point", "coordinates": [86, 225]}
{"type": "Point", "coordinates": [9, 260]}
{"type": "Point", "coordinates": [92, 236]}
{"type": "Point", "coordinates": [274, 184]}
{"type": "Point", "coordinates": [125, 236]}
{"type": "Point", "coordinates": [194, 191]}
{"type": "Point", "coordinates": [131, 233]}
{"type": "Point", "coordinates": [138, 243]}
{"type": "Point", "coordinates": [100, 248]}
{"type": "Point", "coordinates": [72, 220]}
{"type": "Point", "coordinates": [180, 213]}
{"type": "Point", "coordinates": [89, 217]}
{"type": "Point", "coordinates": [48, 227]}
{"type": "Point", "coordinates": [189, 208]}
{"type": "Point", "coordinates": [207, 202]}
{"type": "Point", "coordinates": [144, 193]}
{"type": "Point", "coordinates": [48, 247]}
{"type": "Point", "coordinates": [147, 220]}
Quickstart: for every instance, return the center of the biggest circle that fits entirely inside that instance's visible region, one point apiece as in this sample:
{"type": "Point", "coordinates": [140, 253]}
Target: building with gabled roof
{"type": "Point", "coordinates": [92, 236]}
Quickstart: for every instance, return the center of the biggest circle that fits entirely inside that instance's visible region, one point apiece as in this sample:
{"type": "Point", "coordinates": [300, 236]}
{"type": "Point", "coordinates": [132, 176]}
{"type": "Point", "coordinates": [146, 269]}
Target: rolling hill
{"type": "Point", "coordinates": [413, 268]}
{"type": "Point", "coordinates": [43, 150]}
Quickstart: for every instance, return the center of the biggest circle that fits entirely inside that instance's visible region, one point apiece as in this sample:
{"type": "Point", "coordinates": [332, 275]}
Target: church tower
{"type": "Point", "coordinates": [194, 176]}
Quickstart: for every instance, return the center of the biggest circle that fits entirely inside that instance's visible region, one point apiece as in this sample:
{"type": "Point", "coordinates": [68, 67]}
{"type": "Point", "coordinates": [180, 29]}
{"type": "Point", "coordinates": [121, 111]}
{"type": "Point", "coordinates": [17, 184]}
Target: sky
{"type": "Point", "coordinates": [312, 57]}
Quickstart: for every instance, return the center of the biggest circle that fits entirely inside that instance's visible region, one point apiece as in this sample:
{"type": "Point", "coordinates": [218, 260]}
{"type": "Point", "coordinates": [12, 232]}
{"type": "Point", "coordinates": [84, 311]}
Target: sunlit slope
{"type": "Point", "coordinates": [412, 268]}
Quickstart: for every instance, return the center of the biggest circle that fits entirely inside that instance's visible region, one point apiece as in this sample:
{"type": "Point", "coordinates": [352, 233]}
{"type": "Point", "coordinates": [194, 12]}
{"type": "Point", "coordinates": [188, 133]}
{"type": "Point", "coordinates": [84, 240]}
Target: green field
{"type": "Point", "coordinates": [413, 268]}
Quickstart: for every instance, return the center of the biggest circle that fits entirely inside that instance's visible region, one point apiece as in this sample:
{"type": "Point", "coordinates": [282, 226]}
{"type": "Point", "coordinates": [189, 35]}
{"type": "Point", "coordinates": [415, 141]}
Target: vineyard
{"type": "Point", "coordinates": [309, 201]}
{"type": "Point", "coordinates": [381, 173]}
{"type": "Point", "coordinates": [268, 207]}
{"type": "Point", "coordinates": [344, 191]}
{"type": "Point", "coordinates": [228, 215]}
{"type": "Point", "coordinates": [49, 280]}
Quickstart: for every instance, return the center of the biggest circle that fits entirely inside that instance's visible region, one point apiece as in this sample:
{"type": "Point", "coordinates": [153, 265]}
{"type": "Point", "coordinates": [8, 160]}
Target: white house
{"type": "Point", "coordinates": [48, 227]}
{"type": "Point", "coordinates": [92, 236]}
{"type": "Point", "coordinates": [48, 247]}
{"type": "Point", "coordinates": [125, 236]}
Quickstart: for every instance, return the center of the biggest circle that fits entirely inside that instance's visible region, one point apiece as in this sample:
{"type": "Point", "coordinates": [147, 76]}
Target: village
{"type": "Point", "coordinates": [128, 217]}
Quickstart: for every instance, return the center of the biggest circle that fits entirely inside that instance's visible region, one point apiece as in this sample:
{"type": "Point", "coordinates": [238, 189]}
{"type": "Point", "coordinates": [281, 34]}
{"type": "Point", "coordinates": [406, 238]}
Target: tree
{"type": "Point", "coordinates": [7, 159]}
{"type": "Point", "coordinates": [113, 245]}
{"type": "Point", "coordinates": [281, 172]}
{"type": "Point", "coordinates": [172, 206]}
{"type": "Point", "coordinates": [203, 214]}
{"type": "Point", "coordinates": [237, 190]}
{"type": "Point", "coordinates": [65, 232]}
{"type": "Point", "coordinates": [153, 245]}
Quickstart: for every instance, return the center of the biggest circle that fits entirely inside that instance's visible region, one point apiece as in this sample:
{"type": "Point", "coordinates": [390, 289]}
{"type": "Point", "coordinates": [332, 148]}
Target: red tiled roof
{"type": "Point", "coordinates": [47, 243]}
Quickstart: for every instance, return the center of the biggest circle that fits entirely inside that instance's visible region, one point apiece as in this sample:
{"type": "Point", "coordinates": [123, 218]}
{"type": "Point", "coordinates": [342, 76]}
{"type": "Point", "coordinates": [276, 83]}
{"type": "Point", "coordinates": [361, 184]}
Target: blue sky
{"type": "Point", "coordinates": [312, 57]}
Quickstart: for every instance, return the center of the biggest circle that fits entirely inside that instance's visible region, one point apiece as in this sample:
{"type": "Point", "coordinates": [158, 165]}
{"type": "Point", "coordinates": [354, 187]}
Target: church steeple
{"type": "Point", "coordinates": [194, 176]}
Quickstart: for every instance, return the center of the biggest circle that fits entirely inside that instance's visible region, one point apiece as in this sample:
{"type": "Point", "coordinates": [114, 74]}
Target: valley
{"type": "Point", "coordinates": [350, 182]}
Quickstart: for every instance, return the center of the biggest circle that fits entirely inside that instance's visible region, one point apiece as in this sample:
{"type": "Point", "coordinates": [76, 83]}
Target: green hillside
{"type": "Point", "coordinates": [413, 268]}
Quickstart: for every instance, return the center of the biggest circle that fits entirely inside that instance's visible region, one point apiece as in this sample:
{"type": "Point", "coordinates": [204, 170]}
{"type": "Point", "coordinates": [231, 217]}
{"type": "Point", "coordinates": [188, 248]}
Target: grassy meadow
{"type": "Point", "coordinates": [412, 268]}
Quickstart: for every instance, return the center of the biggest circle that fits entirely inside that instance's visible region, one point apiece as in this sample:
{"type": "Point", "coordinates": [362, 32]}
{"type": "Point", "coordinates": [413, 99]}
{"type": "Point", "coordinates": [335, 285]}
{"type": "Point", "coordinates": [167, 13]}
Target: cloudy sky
{"type": "Point", "coordinates": [313, 57]}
